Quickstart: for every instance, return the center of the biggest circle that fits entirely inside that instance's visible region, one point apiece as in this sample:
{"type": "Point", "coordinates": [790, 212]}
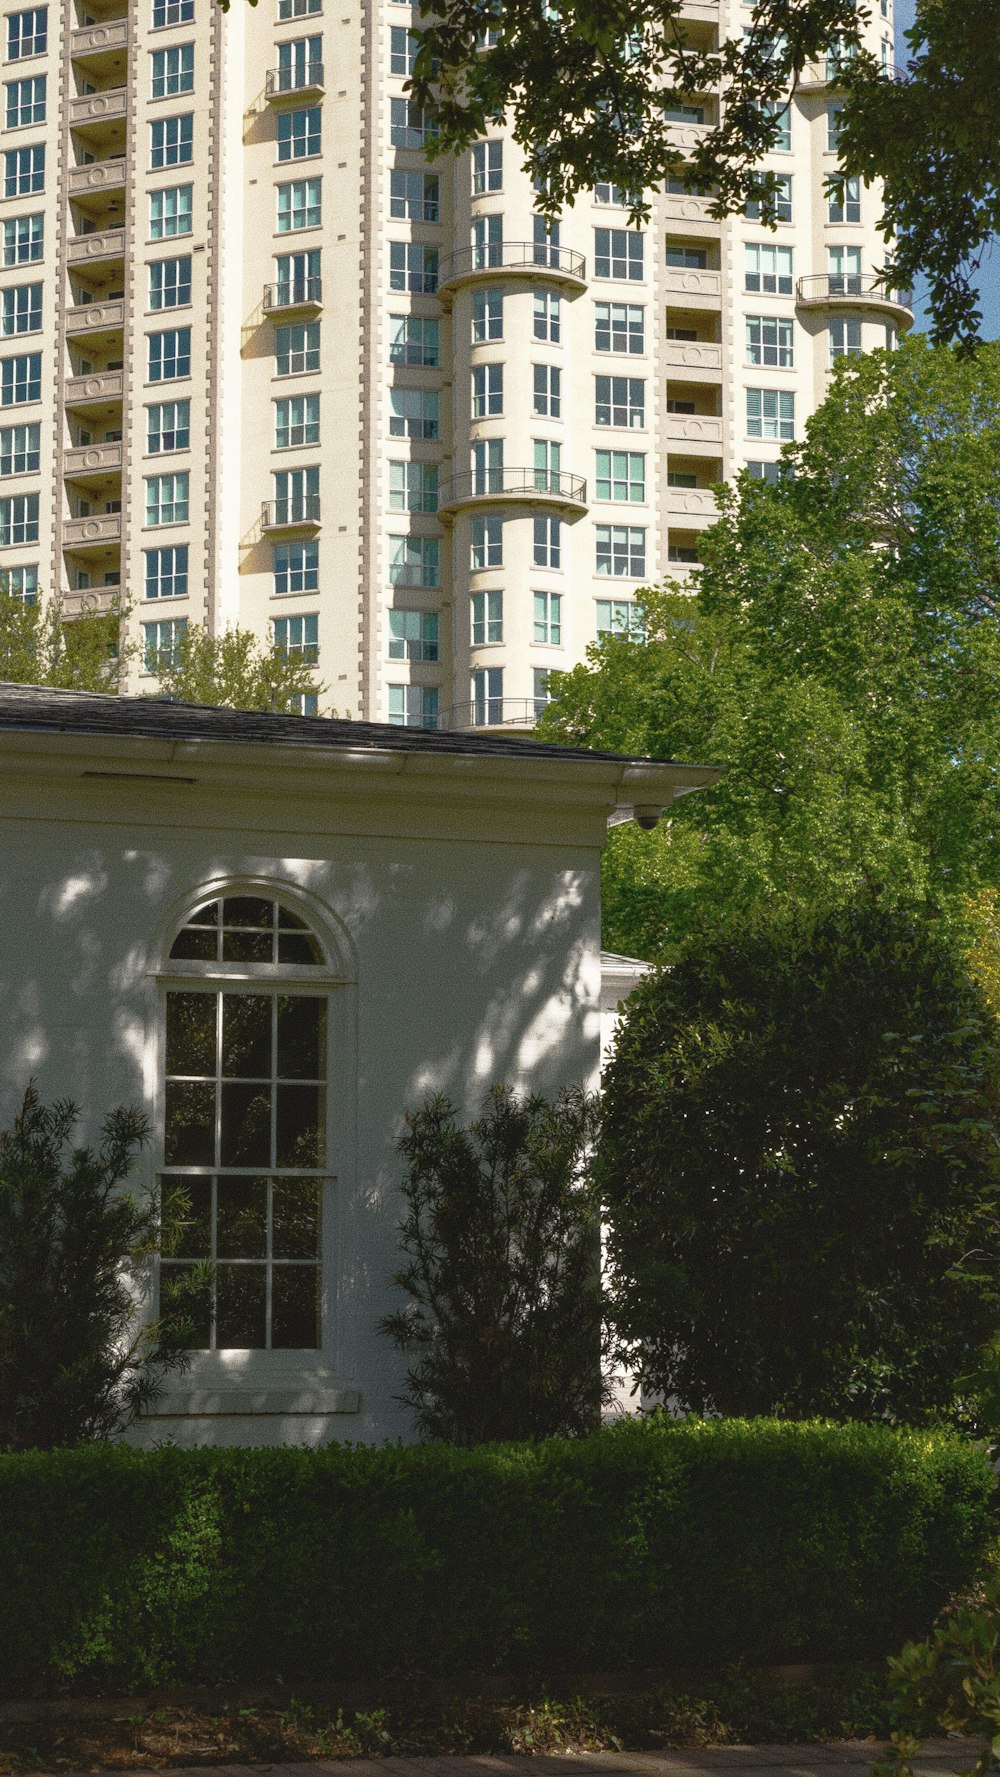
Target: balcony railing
{"type": "Point", "coordinates": [518, 484]}
{"type": "Point", "coordinates": [519, 256]}
{"type": "Point", "coordinates": [281, 83]}
{"type": "Point", "coordinates": [494, 712]}
{"type": "Point", "coordinates": [298, 293]}
{"type": "Point", "coordinates": [290, 514]}
{"type": "Point", "coordinates": [852, 287]}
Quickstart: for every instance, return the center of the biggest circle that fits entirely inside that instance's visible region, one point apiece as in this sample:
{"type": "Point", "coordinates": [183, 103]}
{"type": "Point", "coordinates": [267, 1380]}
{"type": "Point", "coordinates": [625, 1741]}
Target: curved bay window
{"type": "Point", "coordinates": [245, 1118]}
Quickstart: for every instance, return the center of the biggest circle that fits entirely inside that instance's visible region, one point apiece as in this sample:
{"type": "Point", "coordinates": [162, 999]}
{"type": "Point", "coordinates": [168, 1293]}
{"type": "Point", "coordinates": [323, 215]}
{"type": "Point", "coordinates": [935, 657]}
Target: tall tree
{"type": "Point", "coordinates": [841, 660]}
{"type": "Point", "coordinates": [237, 670]}
{"type": "Point", "coordinates": [584, 86]}
{"type": "Point", "coordinates": [38, 646]}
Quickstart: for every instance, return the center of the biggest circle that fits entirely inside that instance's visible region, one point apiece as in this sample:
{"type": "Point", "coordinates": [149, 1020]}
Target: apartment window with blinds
{"type": "Point", "coordinates": [299, 133]}
{"type": "Point", "coordinates": [172, 71]}
{"type": "Point", "coordinates": [169, 354]}
{"type": "Point", "coordinates": [414, 413]}
{"type": "Point", "coordinates": [296, 568]}
{"type": "Point", "coordinates": [547, 618]}
{"type": "Point", "coordinates": [20, 449]}
{"type": "Point", "coordinates": [166, 574]}
{"type": "Point", "coordinates": [27, 33]}
{"type": "Point", "coordinates": [170, 283]}
{"type": "Point", "coordinates": [170, 212]}
{"type": "Point", "coordinates": [296, 421]}
{"type": "Point", "coordinates": [18, 520]}
{"type": "Point", "coordinates": [782, 201]}
{"type": "Point", "coordinates": [21, 310]}
{"type": "Point", "coordinates": [23, 240]}
{"type": "Point", "coordinates": [171, 141]}
{"type": "Point", "coordinates": [620, 475]}
{"type": "Point", "coordinates": [20, 379]}
{"type": "Point", "coordinates": [22, 582]}
{"type": "Point", "coordinates": [24, 102]}
{"type": "Point", "coordinates": [168, 426]}
{"type": "Point", "coordinates": [619, 618]}
{"type": "Point", "coordinates": [414, 706]}
{"type": "Point", "coordinates": [300, 205]}
{"type": "Point", "coordinates": [167, 498]}
{"type": "Point", "coordinates": [770, 413]}
{"type": "Point", "coordinates": [547, 312]}
{"type": "Point", "coordinates": [413, 487]}
{"type": "Point", "coordinates": [844, 202]}
{"type": "Point", "coordinates": [768, 269]}
{"type": "Point", "coordinates": [24, 170]}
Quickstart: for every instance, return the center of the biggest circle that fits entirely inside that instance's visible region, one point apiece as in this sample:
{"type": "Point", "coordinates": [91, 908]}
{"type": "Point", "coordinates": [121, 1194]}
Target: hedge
{"type": "Point", "coordinates": [649, 1544]}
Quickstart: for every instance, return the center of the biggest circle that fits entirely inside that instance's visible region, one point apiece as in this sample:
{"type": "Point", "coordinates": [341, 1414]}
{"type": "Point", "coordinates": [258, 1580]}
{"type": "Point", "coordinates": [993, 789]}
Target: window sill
{"type": "Point", "coordinates": [212, 1403]}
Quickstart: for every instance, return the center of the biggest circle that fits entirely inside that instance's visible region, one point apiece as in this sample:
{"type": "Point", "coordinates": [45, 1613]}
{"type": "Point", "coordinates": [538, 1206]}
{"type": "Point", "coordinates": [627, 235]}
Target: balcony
{"type": "Point", "coordinates": [102, 49]}
{"type": "Point", "coordinates": [693, 285]}
{"type": "Point", "coordinates": [302, 296]}
{"type": "Point", "coordinates": [696, 505]}
{"type": "Point", "coordinates": [686, 136]}
{"type": "Point", "coordinates": [526, 259]}
{"type": "Point", "coordinates": [96, 177]}
{"type": "Point", "coordinates": [105, 247]}
{"type": "Point", "coordinates": [97, 531]}
{"type": "Point", "coordinates": [688, 358]}
{"type": "Point", "coordinates": [95, 318]}
{"type": "Point", "coordinates": [855, 290]}
{"type": "Point", "coordinates": [701, 11]}
{"type": "Point", "coordinates": [90, 601]}
{"type": "Point", "coordinates": [299, 513]}
{"type": "Point", "coordinates": [86, 461]}
{"type": "Point", "coordinates": [294, 83]}
{"type": "Point", "coordinates": [692, 430]}
{"type": "Point", "coordinates": [526, 487]}
{"type": "Point", "coordinates": [88, 109]}
{"type": "Point", "coordinates": [101, 388]}
{"type": "Point", "coordinates": [693, 207]}
{"type": "Point", "coordinates": [494, 712]}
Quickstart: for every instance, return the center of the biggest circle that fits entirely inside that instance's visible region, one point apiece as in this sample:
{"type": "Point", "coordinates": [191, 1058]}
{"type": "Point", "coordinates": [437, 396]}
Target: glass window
{"type": "Point", "coordinates": [414, 197]}
{"type": "Point", "coordinates": [487, 240]}
{"type": "Point", "coordinates": [414, 413]}
{"type": "Point", "coordinates": [24, 170]}
{"type": "Point", "coordinates": [844, 202]}
{"type": "Point", "coordinates": [172, 71]}
{"type": "Point", "coordinates": [21, 310]}
{"type": "Point", "coordinates": [168, 426]}
{"type": "Point", "coordinates": [547, 618]}
{"type": "Point", "coordinates": [414, 339]}
{"type": "Point", "coordinates": [547, 543]}
{"type": "Point", "coordinates": [545, 242]}
{"type": "Point", "coordinates": [687, 258]}
{"type": "Point", "coordinates": [619, 327]}
{"type": "Point", "coordinates": [618, 253]}
{"type": "Point", "coordinates": [23, 240]}
{"type": "Point", "coordinates": [170, 283]}
{"type": "Point", "coordinates": [414, 561]}
{"type": "Point", "coordinates": [404, 48]}
{"type": "Point", "coordinates": [547, 465]}
{"type": "Point", "coordinates": [833, 128]}
{"type": "Point", "coordinates": [300, 64]}
{"type": "Point", "coordinates": [487, 696]}
{"type": "Point", "coordinates": [616, 195]}
{"type": "Point", "coordinates": [20, 379]}
{"type": "Point", "coordinates": [770, 413]}
{"type": "Point", "coordinates": [487, 390]}
{"type": "Point", "coordinates": [487, 542]}
{"type": "Point", "coordinates": [782, 201]}
{"type": "Point", "coordinates": [547, 311]}
{"type": "Point", "coordinates": [619, 618]}
{"type": "Point", "coordinates": [844, 267]}
{"type": "Point", "coordinates": [27, 33]}
{"type": "Point", "coordinates": [770, 342]}
{"type": "Point", "coordinates": [845, 339]}
{"type": "Point", "coordinates": [621, 551]}
{"type": "Point", "coordinates": [487, 315]}
{"type": "Point", "coordinates": [169, 354]}
{"type": "Point", "coordinates": [768, 269]}
{"type": "Point", "coordinates": [296, 348]}
{"type": "Point", "coordinates": [413, 266]}
{"type": "Point", "coordinates": [299, 133]}
{"type": "Point", "coordinates": [298, 637]}
{"type": "Point", "coordinates": [18, 519]}
{"type": "Point", "coordinates": [297, 9]}
{"type": "Point", "coordinates": [300, 205]}
{"type": "Point", "coordinates": [410, 126]}
{"type": "Point", "coordinates": [619, 401]}
{"type": "Point", "coordinates": [167, 498]}
{"type": "Point", "coordinates": [171, 141]}
{"type": "Point", "coordinates": [20, 449]}
{"type": "Point", "coordinates": [166, 571]}
{"type": "Point", "coordinates": [24, 102]}
{"type": "Point", "coordinates": [781, 113]}
{"type": "Point", "coordinates": [413, 706]}
{"type": "Point", "coordinates": [413, 487]}
{"type": "Point", "coordinates": [620, 475]}
{"type": "Point", "coordinates": [487, 167]}
{"type": "Point", "coordinates": [413, 635]}
{"type": "Point", "coordinates": [296, 568]}
{"type": "Point", "coordinates": [161, 647]}
{"type": "Point", "coordinates": [547, 399]}
{"type": "Point", "coordinates": [296, 494]}
{"type": "Point", "coordinates": [22, 583]}
{"type": "Point", "coordinates": [170, 212]}
{"type": "Point", "coordinates": [296, 421]}
{"type": "Point", "coordinates": [172, 12]}
{"type": "Point", "coordinates": [486, 618]}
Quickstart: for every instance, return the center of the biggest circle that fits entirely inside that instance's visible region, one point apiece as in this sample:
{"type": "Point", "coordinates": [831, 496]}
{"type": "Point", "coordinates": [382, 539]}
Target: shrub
{"type": "Point", "coordinates": [652, 1544]}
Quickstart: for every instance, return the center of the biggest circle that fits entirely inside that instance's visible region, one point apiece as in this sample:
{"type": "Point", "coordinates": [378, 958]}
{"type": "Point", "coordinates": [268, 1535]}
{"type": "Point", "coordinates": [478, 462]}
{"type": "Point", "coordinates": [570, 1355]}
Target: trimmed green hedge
{"type": "Point", "coordinates": [651, 1544]}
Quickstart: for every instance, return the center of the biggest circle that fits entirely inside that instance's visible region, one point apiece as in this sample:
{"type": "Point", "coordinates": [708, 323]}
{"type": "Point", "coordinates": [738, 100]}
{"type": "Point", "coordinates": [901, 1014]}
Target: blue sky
{"type": "Point", "coordinates": [989, 277]}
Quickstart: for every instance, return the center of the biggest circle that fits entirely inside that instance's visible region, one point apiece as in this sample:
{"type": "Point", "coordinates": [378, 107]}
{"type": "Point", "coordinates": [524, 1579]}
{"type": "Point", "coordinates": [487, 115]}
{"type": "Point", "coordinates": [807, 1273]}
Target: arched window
{"type": "Point", "coordinates": [245, 1116]}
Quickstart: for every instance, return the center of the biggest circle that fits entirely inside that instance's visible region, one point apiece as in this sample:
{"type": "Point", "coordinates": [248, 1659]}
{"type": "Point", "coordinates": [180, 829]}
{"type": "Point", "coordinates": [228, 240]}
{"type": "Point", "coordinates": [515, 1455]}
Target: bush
{"type": "Point", "coordinates": [651, 1544]}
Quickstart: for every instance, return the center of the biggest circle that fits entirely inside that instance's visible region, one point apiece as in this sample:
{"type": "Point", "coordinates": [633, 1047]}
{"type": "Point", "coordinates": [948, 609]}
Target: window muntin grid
{"type": "Point", "coordinates": [20, 449]}
{"type": "Point", "coordinates": [296, 568]}
{"type": "Point", "coordinates": [413, 635]}
{"type": "Point", "coordinates": [23, 240]}
{"type": "Point", "coordinates": [172, 71]}
{"type": "Point", "coordinates": [413, 487]}
{"type": "Point", "coordinates": [171, 141]}
{"type": "Point", "coordinates": [296, 348]}
{"type": "Point", "coordinates": [166, 571]}
{"type": "Point", "coordinates": [168, 426]}
{"type": "Point", "coordinates": [486, 618]}
{"type": "Point", "coordinates": [27, 33]}
{"type": "Point", "coordinates": [621, 551]}
{"type": "Point", "coordinates": [415, 339]}
{"type": "Point", "coordinates": [620, 401]}
{"type": "Point", "coordinates": [21, 310]}
{"type": "Point", "coordinates": [770, 341]}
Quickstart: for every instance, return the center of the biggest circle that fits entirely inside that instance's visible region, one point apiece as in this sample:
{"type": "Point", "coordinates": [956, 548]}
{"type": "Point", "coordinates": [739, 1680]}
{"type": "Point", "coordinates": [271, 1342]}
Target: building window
{"type": "Point", "coordinates": [300, 205]}
{"type": "Point", "coordinates": [487, 390]}
{"type": "Point", "coordinates": [20, 379]}
{"type": "Point", "coordinates": [297, 638]}
{"type": "Point", "coordinates": [245, 1124]}
{"type": "Point", "coordinates": [770, 413]}
{"type": "Point", "coordinates": [547, 401]}
{"type": "Point", "coordinates": [619, 618]}
{"type": "Point", "coordinates": [21, 311]}
{"type": "Point", "coordinates": [20, 449]}
{"type": "Point", "coordinates": [770, 342]}
{"type": "Point", "coordinates": [414, 561]}
{"type": "Point", "coordinates": [296, 349]}
{"type": "Point", "coordinates": [771, 472]}
{"type": "Point", "coordinates": [782, 201]}
{"type": "Point", "coordinates": [296, 421]}
{"type": "Point", "coordinates": [167, 498]}
{"type": "Point", "coordinates": [413, 706]}
{"type": "Point", "coordinates": [487, 542]}
{"type": "Point", "coordinates": [300, 64]}
{"type": "Point", "coordinates": [619, 327]}
{"type": "Point", "coordinates": [844, 202]}
{"type": "Point", "coordinates": [170, 212]}
{"type": "Point", "coordinates": [297, 9]}
{"type": "Point", "coordinates": [414, 197]}
{"type": "Point", "coordinates": [547, 307]}
{"type": "Point", "coordinates": [547, 543]}
{"type": "Point", "coordinates": [169, 354]}
{"type": "Point", "coordinates": [548, 618]}
{"type": "Point", "coordinates": [487, 316]}
{"type": "Point", "coordinates": [414, 413]}
{"type": "Point", "coordinates": [487, 241]}
{"type": "Point", "coordinates": [161, 643]}
{"type": "Point", "coordinates": [768, 269]}
{"type": "Point", "coordinates": [547, 465]}
{"type": "Point", "coordinates": [404, 48]}
{"type": "Point", "coordinates": [540, 688]}
{"type": "Point", "coordinates": [18, 519]}
{"type": "Point", "coordinates": [414, 339]}
{"type": "Point", "coordinates": [412, 266]}
{"type": "Point", "coordinates": [27, 33]}
{"type": "Point", "coordinates": [173, 71]}
{"type": "Point", "coordinates": [619, 401]}
{"type": "Point", "coordinates": [486, 616]}
{"type": "Point", "coordinates": [621, 551]}
{"type": "Point", "coordinates": [24, 170]}
{"type": "Point", "coordinates": [296, 568]}
{"type": "Point", "coordinates": [413, 635]}
{"type": "Point", "coordinates": [545, 242]}
{"type": "Point", "coordinates": [686, 258]}
{"type": "Point", "coordinates": [22, 583]}
{"type": "Point", "coordinates": [621, 475]}
{"type": "Point", "coordinates": [296, 495]}
{"type": "Point", "coordinates": [410, 126]}
{"type": "Point", "coordinates": [171, 141]}
{"type": "Point", "coordinates": [413, 487]}
{"type": "Point", "coordinates": [23, 240]}
{"type": "Point", "coordinates": [24, 102]}
{"type": "Point", "coordinates": [487, 167]}
{"type": "Point", "coordinates": [618, 253]}
{"type": "Point", "coordinates": [487, 466]}
{"type": "Point", "coordinates": [299, 133]}
{"type": "Point", "coordinates": [615, 195]}
{"type": "Point", "coordinates": [780, 113]}
{"type": "Point", "coordinates": [167, 571]}
{"type": "Point", "coordinates": [844, 266]}
{"type": "Point", "coordinates": [297, 276]}
{"type": "Point", "coordinates": [170, 283]}
{"type": "Point", "coordinates": [172, 12]}
{"type": "Point", "coordinates": [168, 426]}
{"type": "Point", "coordinates": [487, 696]}
{"type": "Point", "coordinates": [845, 340]}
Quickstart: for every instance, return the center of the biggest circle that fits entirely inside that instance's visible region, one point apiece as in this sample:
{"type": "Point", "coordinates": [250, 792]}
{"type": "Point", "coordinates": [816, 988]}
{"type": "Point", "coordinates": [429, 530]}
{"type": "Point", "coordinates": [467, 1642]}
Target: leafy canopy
{"type": "Point", "coordinates": [800, 1161]}
{"type": "Point", "coordinates": [38, 646]}
{"type": "Point", "coordinates": [584, 87]}
{"type": "Point", "coordinates": [234, 669]}
{"type": "Point", "coordinates": [841, 661]}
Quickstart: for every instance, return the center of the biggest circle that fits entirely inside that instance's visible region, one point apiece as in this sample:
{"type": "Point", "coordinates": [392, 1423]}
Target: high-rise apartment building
{"type": "Point", "coordinates": [262, 361]}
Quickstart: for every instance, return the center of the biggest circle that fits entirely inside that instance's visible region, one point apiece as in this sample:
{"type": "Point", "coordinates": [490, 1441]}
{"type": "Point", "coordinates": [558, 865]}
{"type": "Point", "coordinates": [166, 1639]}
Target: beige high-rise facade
{"type": "Point", "coordinates": [263, 362]}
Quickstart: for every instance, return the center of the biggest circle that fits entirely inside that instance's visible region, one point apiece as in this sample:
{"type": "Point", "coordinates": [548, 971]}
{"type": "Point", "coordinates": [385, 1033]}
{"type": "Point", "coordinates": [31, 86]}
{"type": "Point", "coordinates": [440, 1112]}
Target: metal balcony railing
{"type": "Point", "coordinates": [487, 484]}
{"type": "Point", "coordinates": [851, 286]}
{"type": "Point", "coordinates": [527, 256]}
{"type": "Point", "coordinates": [297, 293]}
{"type": "Point", "coordinates": [306, 78]}
{"type": "Point", "coordinates": [494, 712]}
{"type": "Point", "coordinates": [300, 509]}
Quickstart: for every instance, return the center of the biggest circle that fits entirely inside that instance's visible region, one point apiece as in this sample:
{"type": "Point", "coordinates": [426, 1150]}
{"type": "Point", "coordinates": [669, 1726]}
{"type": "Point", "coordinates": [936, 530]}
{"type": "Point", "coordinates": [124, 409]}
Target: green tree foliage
{"type": "Point", "coordinates": [76, 1360]}
{"type": "Point", "coordinates": [584, 86]}
{"type": "Point", "coordinates": [841, 661]}
{"type": "Point", "coordinates": [39, 647]}
{"type": "Point", "coordinates": [800, 1162]}
{"type": "Point", "coordinates": [501, 1237]}
{"type": "Point", "coordinates": [236, 670]}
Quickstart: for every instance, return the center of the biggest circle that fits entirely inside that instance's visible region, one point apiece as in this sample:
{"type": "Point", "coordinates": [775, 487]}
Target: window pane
{"type": "Point", "coordinates": [241, 1227]}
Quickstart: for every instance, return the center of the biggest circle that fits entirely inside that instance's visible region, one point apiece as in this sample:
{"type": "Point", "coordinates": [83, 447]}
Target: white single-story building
{"type": "Point", "coordinates": [276, 934]}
